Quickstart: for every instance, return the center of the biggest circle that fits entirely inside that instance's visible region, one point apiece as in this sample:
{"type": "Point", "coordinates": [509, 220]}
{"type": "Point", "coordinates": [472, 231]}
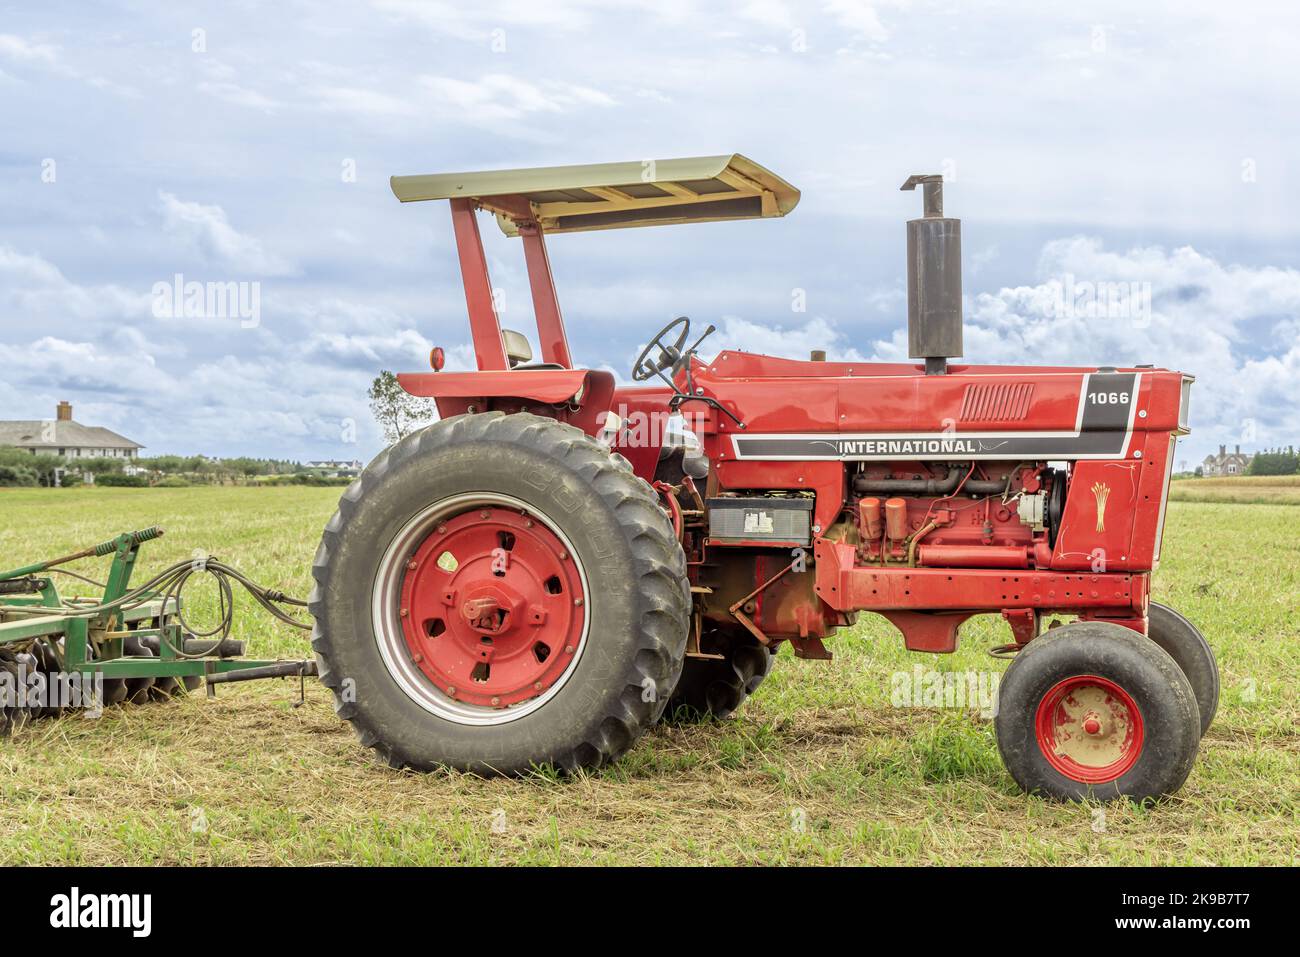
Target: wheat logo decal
{"type": "Point", "coordinates": [1101, 491]}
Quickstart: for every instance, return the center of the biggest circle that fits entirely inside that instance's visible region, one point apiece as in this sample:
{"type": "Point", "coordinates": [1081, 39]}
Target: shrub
{"type": "Point", "coordinates": [17, 476]}
{"type": "Point", "coordinates": [114, 480]}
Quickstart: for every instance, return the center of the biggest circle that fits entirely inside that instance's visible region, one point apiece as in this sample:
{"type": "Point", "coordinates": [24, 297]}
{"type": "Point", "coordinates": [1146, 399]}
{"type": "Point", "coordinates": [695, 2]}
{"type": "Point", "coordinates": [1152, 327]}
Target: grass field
{"type": "Point", "coordinates": [1242, 490]}
{"type": "Point", "coordinates": [818, 768]}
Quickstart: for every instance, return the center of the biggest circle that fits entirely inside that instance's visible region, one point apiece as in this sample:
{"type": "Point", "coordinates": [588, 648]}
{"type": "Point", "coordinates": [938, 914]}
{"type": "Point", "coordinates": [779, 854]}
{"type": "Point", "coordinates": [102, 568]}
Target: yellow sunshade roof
{"type": "Point", "coordinates": [568, 199]}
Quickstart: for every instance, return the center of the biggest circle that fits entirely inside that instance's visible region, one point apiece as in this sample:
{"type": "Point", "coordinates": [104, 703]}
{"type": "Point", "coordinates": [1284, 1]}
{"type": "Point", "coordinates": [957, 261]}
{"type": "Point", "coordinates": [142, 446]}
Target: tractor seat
{"type": "Point", "coordinates": [520, 354]}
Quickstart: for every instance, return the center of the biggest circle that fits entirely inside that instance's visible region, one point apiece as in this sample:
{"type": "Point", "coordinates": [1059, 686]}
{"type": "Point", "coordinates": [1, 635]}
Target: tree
{"type": "Point", "coordinates": [1278, 462]}
{"type": "Point", "coordinates": [398, 412]}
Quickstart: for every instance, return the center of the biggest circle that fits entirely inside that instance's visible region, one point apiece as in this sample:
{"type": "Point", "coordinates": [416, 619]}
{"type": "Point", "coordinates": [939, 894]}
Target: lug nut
{"type": "Point", "coordinates": [568, 649]}
{"type": "Point", "coordinates": [404, 612]}
{"type": "Point", "coordinates": [577, 601]}
{"type": "Point", "coordinates": [496, 701]}
{"type": "Point", "coordinates": [537, 685]}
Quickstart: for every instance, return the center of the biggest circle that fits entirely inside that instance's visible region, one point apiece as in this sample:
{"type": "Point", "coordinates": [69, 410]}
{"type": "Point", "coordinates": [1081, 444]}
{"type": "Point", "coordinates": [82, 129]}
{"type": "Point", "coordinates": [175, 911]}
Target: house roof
{"type": "Point", "coordinates": [63, 433]}
{"type": "Point", "coordinates": [1230, 457]}
{"type": "Point", "coordinates": [568, 199]}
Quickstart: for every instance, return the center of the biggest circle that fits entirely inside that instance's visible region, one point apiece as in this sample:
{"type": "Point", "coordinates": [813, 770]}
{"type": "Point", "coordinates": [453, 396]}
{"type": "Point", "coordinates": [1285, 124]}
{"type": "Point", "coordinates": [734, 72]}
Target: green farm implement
{"type": "Point", "coordinates": [125, 643]}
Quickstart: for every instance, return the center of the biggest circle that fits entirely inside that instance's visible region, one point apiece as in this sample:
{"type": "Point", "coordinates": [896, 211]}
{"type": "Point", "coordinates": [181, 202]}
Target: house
{"type": "Point", "coordinates": [333, 468]}
{"type": "Point", "coordinates": [63, 437]}
{"type": "Point", "coordinates": [1226, 463]}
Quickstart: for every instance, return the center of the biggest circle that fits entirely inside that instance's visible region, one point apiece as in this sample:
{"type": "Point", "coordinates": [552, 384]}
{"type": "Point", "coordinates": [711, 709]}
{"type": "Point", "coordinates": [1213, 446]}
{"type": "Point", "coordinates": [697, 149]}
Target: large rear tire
{"type": "Point", "coordinates": [498, 592]}
{"type": "Point", "coordinates": [1094, 711]}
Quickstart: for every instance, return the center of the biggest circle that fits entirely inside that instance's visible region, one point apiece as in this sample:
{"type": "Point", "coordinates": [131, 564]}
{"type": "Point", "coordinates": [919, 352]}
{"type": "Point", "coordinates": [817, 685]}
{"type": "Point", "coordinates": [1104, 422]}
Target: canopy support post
{"type": "Point", "coordinates": [546, 304]}
{"type": "Point", "coordinates": [484, 324]}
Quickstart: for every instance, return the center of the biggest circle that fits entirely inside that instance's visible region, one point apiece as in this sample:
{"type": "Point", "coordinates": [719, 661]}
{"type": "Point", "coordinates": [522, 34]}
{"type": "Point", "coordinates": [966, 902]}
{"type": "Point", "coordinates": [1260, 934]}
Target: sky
{"type": "Point", "coordinates": [1128, 177]}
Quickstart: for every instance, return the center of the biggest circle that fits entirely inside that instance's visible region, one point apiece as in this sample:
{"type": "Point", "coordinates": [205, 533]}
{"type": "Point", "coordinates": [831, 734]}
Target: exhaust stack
{"type": "Point", "coordinates": [933, 279]}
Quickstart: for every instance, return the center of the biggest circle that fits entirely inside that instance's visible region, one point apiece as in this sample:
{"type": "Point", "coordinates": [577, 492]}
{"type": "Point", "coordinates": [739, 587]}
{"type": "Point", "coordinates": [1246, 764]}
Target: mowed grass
{"type": "Point", "coordinates": [817, 768]}
{"type": "Point", "coordinates": [1242, 490]}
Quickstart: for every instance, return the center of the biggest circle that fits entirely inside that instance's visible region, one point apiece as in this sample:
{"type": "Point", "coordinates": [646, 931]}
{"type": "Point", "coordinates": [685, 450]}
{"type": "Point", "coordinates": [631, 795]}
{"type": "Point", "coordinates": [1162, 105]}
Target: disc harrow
{"type": "Point", "coordinates": [127, 644]}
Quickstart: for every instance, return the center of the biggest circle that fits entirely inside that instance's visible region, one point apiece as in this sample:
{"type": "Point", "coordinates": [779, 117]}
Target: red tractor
{"type": "Point", "coordinates": [543, 573]}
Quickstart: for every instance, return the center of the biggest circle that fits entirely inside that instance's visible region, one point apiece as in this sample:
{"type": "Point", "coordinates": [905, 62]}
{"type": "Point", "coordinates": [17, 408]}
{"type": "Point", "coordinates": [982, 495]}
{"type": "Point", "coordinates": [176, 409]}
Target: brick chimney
{"type": "Point", "coordinates": [1239, 450]}
{"type": "Point", "coordinates": [1223, 450]}
{"type": "Point", "coordinates": [64, 411]}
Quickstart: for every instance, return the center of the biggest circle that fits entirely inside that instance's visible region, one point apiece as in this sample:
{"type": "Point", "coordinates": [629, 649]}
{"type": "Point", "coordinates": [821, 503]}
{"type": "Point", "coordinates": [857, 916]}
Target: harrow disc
{"type": "Point", "coordinates": [12, 717]}
{"type": "Point", "coordinates": [137, 689]}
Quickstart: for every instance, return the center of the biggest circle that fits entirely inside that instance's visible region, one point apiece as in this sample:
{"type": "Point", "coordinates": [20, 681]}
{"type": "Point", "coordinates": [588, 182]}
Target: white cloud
{"type": "Point", "coordinates": [48, 57]}
{"type": "Point", "coordinates": [774, 14]}
{"type": "Point", "coordinates": [30, 267]}
{"type": "Point", "coordinates": [35, 291]}
{"type": "Point", "coordinates": [499, 96]}
{"type": "Point", "coordinates": [793, 342]}
{"type": "Point", "coordinates": [16, 48]}
{"type": "Point", "coordinates": [405, 348]}
{"type": "Point", "coordinates": [344, 99]}
{"type": "Point", "coordinates": [478, 20]}
{"type": "Point", "coordinates": [860, 17]}
{"type": "Point", "coordinates": [493, 98]}
{"type": "Point", "coordinates": [238, 95]}
{"type": "Point", "coordinates": [208, 231]}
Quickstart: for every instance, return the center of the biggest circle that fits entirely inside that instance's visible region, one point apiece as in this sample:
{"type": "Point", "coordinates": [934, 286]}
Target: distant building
{"type": "Point", "coordinates": [337, 467]}
{"type": "Point", "coordinates": [1226, 463]}
{"type": "Point", "coordinates": [64, 437]}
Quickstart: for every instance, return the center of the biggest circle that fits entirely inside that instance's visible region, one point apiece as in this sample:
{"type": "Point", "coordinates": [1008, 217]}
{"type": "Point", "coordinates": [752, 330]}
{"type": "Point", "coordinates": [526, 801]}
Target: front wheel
{"type": "Point", "coordinates": [1191, 652]}
{"type": "Point", "coordinates": [498, 592]}
{"type": "Point", "coordinates": [1094, 710]}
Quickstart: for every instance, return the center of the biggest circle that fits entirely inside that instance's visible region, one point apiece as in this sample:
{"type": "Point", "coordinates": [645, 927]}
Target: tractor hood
{"type": "Point", "coordinates": [569, 199]}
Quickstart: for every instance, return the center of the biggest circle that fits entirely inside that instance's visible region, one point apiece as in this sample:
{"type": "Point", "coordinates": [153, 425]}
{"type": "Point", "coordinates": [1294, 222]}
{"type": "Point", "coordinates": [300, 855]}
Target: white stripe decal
{"type": "Point", "coordinates": [885, 446]}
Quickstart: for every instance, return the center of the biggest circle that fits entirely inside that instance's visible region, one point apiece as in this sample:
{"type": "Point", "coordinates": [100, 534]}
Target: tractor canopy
{"type": "Point", "coordinates": [569, 199]}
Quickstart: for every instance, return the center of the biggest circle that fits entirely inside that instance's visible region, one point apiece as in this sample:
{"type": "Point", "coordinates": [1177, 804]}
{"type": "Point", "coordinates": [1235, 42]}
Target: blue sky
{"type": "Point", "coordinates": [1086, 143]}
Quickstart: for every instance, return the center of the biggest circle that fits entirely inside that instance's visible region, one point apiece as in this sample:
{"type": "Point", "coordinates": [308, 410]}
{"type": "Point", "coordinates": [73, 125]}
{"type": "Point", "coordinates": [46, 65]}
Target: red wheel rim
{"type": "Point", "coordinates": [492, 607]}
{"type": "Point", "coordinates": [1089, 729]}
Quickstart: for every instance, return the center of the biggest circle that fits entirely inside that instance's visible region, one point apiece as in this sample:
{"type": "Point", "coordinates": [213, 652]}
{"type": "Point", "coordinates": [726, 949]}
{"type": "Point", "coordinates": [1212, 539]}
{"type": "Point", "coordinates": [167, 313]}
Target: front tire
{"type": "Point", "coordinates": [1192, 653]}
{"type": "Point", "coordinates": [498, 592]}
{"type": "Point", "coordinates": [1094, 711]}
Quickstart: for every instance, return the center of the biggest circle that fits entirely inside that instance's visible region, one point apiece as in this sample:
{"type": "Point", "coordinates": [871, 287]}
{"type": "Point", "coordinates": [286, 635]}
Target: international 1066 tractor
{"type": "Point", "coordinates": [560, 560]}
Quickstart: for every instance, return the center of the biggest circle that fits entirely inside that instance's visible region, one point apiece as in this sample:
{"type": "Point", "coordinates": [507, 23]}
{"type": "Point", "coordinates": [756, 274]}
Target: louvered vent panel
{"type": "Point", "coordinates": [996, 402]}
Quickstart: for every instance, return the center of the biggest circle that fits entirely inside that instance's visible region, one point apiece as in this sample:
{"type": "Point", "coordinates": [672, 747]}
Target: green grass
{"type": "Point", "coordinates": [818, 768]}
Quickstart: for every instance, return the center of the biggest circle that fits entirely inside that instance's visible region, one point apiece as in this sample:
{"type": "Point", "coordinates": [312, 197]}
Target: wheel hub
{"type": "Point", "coordinates": [492, 607]}
{"type": "Point", "coordinates": [1089, 729]}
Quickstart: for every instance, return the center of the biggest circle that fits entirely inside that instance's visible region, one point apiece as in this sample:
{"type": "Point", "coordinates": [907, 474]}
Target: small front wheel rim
{"type": "Point", "coordinates": [480, 609]}
{"type": "Point", "coordinates": [1089, 729]}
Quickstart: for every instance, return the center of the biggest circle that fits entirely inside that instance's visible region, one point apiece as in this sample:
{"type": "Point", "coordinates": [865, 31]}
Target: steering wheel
{"type": "Point", "coordinates": [670, 355]}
